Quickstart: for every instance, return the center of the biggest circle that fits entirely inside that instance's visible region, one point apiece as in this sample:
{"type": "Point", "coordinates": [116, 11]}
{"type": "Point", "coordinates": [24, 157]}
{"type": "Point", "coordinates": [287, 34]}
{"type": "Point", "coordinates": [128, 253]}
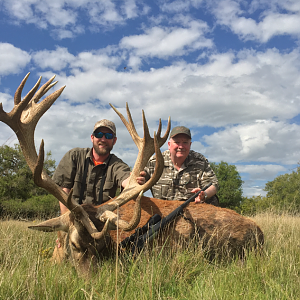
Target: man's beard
{"type": "Point", "coordinates": [102, 151]}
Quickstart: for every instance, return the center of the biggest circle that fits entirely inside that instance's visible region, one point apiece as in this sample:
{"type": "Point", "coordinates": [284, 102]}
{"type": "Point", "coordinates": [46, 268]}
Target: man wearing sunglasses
{"type": "Point", "coordinates": [94, 173]}
{"type": "Point", "coordinates": [185, 171]}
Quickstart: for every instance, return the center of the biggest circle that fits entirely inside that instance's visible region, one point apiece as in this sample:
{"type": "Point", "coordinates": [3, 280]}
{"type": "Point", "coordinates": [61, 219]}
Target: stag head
{"type": "Point", "coordinates": [87, 227]}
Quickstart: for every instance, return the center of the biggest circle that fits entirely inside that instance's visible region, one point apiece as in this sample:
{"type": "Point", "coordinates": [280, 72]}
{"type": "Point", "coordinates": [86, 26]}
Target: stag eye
{"type": "Point", "coordinates": [74, 247]}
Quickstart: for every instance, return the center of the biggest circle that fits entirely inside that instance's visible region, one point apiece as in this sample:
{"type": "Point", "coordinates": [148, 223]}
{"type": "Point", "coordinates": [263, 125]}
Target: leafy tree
{"type": "Point", "coordinates": [230, 185]}
{"type": "Point", "coordinates": [283, 193]}
{"type": "Point", "coordinates": [253, 205]}
{"type": "Point", "coordinates": [16, 180]}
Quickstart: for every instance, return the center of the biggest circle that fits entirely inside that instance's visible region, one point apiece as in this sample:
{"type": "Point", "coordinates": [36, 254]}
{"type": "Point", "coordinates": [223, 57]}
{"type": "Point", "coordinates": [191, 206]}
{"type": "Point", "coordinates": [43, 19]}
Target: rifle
{"type": "Point", "coordinates": [155, 224]}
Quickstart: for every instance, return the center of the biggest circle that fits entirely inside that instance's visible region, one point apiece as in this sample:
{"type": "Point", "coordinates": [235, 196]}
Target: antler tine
{"type": "Point", "coordinates": [40, 108]}
{"type": "Point", "coordinates": [146, 128]}
{"type": "Point", "coordinates": [109, 216]}
{"type": "Point", "coordinates": [18, 93]}
{"type": "Point", "coordinates": [43, 89]}
{"type": "Point", "coordinates": [163, 139]}
{"type": "Point", "coordinates": [147, 146]}
{"type": "Point", "coordinates": [50, 87]}
{"type": "Point", "coordinates": [44, 181]}
{"type": "Point", "coordinates": [31, 93]}
{"type": "Point", "coordinates": [129, 125]}
{"type": "Point", "coordinates": [20, 106]}
{"type": "Point", "coordinates": [159, 128]}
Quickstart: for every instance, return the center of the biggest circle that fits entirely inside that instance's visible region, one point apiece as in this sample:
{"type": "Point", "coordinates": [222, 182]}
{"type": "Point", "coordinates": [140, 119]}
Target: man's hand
{"type": "Point", "coordinates": [201, 196]}
{"type": "Point", "coordinates": [141, 179]}
{"type": "Point", "coordinates": [211, 191]}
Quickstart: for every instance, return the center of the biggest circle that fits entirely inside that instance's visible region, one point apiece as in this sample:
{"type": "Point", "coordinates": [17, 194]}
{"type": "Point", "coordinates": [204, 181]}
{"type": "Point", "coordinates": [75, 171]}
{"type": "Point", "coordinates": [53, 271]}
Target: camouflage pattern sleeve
{"type": "Point", "coordinates": [149, 169]}
{"type": "Point", "coordinates": [208, 176]}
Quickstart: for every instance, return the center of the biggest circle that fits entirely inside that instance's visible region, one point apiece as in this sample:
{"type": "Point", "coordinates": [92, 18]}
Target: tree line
{"type": "Point", "coordinates": [21, 198]}
{"type": "Point", "coordinates": [283, 195]}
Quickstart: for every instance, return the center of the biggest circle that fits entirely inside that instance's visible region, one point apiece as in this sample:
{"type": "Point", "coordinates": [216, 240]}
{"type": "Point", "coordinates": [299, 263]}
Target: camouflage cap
{"type": "Point", "coordinates": [180, 129]}
{"type": "Point", "coordinates": [106, 123]}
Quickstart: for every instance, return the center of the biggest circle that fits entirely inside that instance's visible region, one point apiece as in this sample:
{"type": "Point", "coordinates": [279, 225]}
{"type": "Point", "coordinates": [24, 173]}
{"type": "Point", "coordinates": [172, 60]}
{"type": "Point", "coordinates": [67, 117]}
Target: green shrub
{"type": "Point", "coordinates": [43, 207]}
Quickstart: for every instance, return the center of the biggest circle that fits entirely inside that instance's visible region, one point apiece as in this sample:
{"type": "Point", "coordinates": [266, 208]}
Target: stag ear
{"type": "Point", "coordinates": [55, 224]}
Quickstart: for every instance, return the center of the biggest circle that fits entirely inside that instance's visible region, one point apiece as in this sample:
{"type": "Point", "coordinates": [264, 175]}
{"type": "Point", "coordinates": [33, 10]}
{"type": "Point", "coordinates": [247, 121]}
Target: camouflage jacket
{"type": "Point", "coordinates": [177, 185]}
{"type": "Point", "coordinates": [69, 174]}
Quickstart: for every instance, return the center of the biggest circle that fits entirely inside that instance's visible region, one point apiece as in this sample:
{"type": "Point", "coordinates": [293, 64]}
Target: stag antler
{"type": "Point", "coordinates": [22, 120]}
{"type": "Point", "coordinates": [147, 146]}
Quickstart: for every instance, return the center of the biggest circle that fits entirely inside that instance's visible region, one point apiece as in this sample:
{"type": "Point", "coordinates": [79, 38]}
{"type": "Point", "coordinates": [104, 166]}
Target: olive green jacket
{"type": "Point", "coordinates": [69, 174]}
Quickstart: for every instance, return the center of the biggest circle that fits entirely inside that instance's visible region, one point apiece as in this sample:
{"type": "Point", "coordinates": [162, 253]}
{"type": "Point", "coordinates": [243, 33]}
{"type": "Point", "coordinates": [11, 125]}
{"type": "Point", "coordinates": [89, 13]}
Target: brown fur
{"type": "Point", "coordinates": [219, 228]}
{"type": "Point", "coordinates": [221, 231]}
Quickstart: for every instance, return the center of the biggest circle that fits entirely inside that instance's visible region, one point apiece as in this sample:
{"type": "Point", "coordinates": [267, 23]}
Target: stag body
{"type": "Point", "coordinates": [218, 229]}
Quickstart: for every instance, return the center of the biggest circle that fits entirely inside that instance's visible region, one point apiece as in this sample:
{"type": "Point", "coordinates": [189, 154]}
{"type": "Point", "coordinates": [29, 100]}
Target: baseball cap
{"type": "Point", "coordinates": [180, 129]}
{"type": "Point", "coordinates": [106, 123]}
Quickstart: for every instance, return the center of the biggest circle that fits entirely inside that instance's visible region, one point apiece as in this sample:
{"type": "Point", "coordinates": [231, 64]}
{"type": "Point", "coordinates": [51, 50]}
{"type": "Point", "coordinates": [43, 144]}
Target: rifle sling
{"type": "Point", "coordinates": [83, 182]}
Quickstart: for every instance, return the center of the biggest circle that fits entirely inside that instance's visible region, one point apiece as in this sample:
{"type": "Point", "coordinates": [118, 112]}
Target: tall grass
{"type": "Point", "coordinates": [27, 273]}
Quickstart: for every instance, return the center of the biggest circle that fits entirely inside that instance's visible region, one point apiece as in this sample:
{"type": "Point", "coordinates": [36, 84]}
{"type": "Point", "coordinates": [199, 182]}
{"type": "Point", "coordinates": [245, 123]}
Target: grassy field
{"type": "Point", "coordinates": [27, 273]}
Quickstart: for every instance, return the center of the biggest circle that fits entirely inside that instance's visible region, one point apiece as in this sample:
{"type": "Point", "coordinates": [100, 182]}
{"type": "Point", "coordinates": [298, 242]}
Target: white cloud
{"type": "Point", "coordinates": [164, 42]}
{"type": "Point", "coordinates": [42, 13]}
{"type": "Point", "coordinates": [55, 59]}
{"type": "Point", "coordinates": [12, 59]}
{"type": "Point", "coordinates": [7, 101]}
{"type": "Point", "coordinates": [62, 16]}
{"type": "Point", "coordinates": [249, 191]}
{"type": "Point", "coordinates": [130, 9]}
{"type": "Point", "coordinates": [180, 5]}
{"type": "Point", "coordinates": [262, 172]}
{"type": "Point", "coordinates": [134, 62]}
{"type": "Point", "coordinates": [7, 136]}
{"type": "Point", "coordinates": [264, 141]}
{"type": "Point", "coordinates": [280, 18]}
{"type": "Point", "coordinates": [275, 5]}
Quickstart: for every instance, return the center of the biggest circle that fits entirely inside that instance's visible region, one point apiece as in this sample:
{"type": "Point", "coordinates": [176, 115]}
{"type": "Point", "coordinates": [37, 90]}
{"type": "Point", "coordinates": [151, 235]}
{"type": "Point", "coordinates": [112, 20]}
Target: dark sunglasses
{"type": "Point", "coordinates": [100, 134]}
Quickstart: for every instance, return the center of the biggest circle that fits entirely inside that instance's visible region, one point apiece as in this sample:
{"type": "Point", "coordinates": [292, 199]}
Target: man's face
{"type": "Point", "coordinates": [179, 146]}
{"type": "Point", "coordinates": [103, 146]}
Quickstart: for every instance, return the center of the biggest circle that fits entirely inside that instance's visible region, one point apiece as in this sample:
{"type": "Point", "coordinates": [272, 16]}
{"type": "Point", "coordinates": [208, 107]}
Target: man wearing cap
{"type": "Point", "coordinates": [185, 171]}
{"type": "Point", "coordinates": [93, 173]}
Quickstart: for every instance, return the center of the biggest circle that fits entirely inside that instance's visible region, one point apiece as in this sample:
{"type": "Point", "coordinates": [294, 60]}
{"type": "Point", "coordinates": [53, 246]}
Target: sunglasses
{"type": "Point", "coordinates": [100, 134]}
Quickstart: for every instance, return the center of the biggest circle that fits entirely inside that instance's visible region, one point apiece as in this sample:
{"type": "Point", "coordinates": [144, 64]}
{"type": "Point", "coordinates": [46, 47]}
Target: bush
{"type": "Point", "coordinates": [253, 205]}
{"type": "Point", "coordinates": [230, 185]}
{"type": "Point", "coordinates": [42, 207]}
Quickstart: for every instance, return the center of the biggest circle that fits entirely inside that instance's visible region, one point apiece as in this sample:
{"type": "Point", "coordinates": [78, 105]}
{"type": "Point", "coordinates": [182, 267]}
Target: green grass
{"type": "Point", "coordinates": [27, 273]}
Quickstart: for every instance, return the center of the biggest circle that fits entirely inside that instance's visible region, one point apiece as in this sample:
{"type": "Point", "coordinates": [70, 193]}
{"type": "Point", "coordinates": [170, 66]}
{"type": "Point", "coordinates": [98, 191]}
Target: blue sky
{"type": "Point", "coordinates": [227, 69]}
